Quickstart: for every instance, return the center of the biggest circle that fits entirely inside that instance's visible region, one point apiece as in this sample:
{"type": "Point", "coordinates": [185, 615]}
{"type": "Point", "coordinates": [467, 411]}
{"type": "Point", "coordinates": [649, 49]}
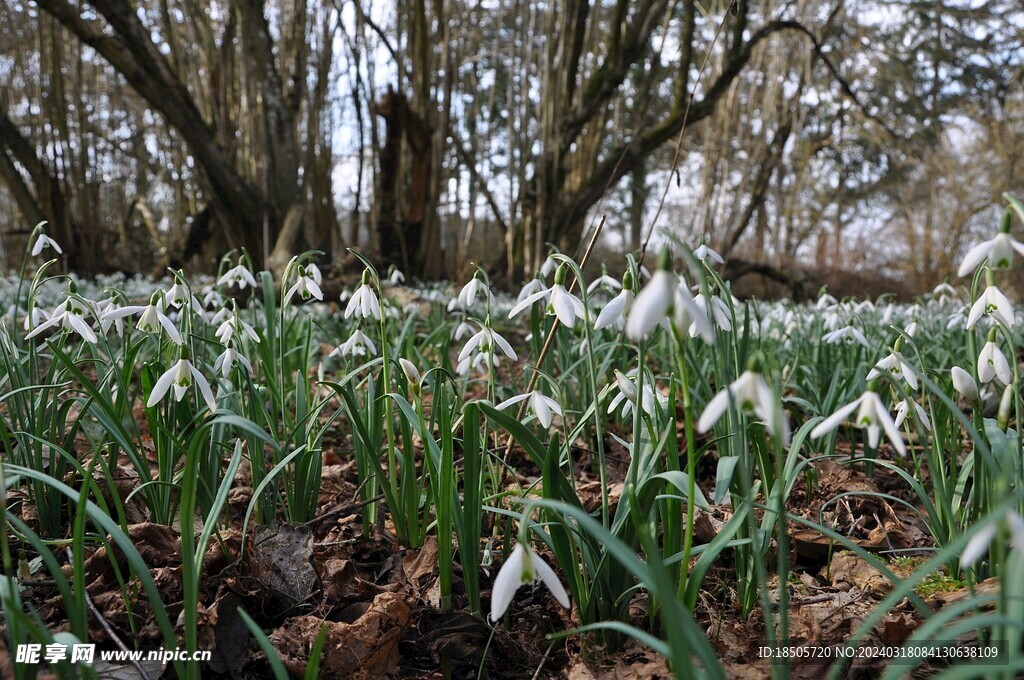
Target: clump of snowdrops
{"type": "Point", "coordinates": [444, 399]}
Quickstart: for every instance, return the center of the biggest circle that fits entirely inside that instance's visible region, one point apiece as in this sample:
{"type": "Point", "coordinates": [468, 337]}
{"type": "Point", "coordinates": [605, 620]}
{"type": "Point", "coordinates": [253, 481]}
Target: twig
{"type": "Point", "coordinates": [547, 655]}
{"type": "Point", "coordinates": [109, 630]}
{"type": "Point", "coordinates": [343, 510]}
{"type": "Point", "coordinates": [679, 141]}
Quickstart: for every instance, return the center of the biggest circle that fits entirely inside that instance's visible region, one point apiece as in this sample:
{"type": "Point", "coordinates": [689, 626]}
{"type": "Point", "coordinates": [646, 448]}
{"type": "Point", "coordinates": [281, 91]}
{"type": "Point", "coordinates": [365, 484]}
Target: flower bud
{"type": "Point", "coordinates": [412, 374]}
{"type": "Point", "coordinates": [965, 385]}
{"type": "Point", "coordinates": [1005, 404]}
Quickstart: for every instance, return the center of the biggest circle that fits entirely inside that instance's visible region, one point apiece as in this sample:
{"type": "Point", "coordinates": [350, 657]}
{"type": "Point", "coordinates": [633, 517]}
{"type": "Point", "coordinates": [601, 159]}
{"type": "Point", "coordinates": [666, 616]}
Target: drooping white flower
{"type": "Point", "coordinates": [627, 396]}
{"type": "Point", "coordinates": [871, 415]}
{"type": "Point", "coordinates": [69, 315]}
{"type": "Point", "coordinates": [234, 329]}
{"type": "Point", "coordinates": [44, 241]}
{"type": "Point", "coordinates": [484, 341]}
{"type": "Point", "coordinates": [358, 344]}
{"type": "Point", "coordinates": [993, 303]}
{"type": "Point", "coordinates": [531, 287]}
{"type": "Point", "coordinates": [688, 317]}
{"type": "Point", "coordinates": [151, 318]}
{"type": "Point", "coordinates": [397, 278]}
{"type": "Point", "coordinates": [998, 250]}
{"type": "Point", "coordinates": [903, 409]}
{"type": "Point", "coordinates": [462, 330]}
{"type": "Point", "coordinates": [563, 304]}
{"type": "Point", "coordinates": [982, 538]}
{"type": "Point", "coordinates": [35, 316]}
{"type": "Point", "coordinates": [178, 296]}
{"type": "Point", "coordinates": [471, 291]}
{"type": "Point", "coordinates": [227, 359]}
{"type": "Point", "coordinates": [603, 281]}
{"type": "Point", "coordinates": [825, 300]}
{"type": "Point", "coordinates": [180, 377]}
{"type": "Point", "coordinates": [239, 275]}
{"type": "Point", "coordinates": [895, 366]}
{"type": "Point", "coordinates": [523, 566]}
{"type": "Point", "coordinates": [364, 303]}
{"type": "Point", "coordinates": [846, 334]}
{"type": "Point", "coordinates": [306, 286]}
{"type": "Point", "coordinates": [313, 272]}
{"type": "Point", "coordinates": [992, 364]}
{"type": "Point", "coordinates": [944, 292]}
{"type": "Point", "coordinates": [716, 311]}
{"type": "Point", "coordinates": [704, 253]}
{"type": "Point", "coordinates": [751, 394]}
{"type": "Point", "coordinates": [614, 313]}
{"type": "Point", "coordinates": [538, 404]}
{"type": "Point", "coordinates": [652, 305]}
{"type": "Point", "coordinates": [964, 384]}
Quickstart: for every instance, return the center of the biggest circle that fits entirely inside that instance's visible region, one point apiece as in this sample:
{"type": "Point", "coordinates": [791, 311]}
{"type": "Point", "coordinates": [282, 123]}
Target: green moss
{"type": "Point", "coordinates": [934, 584]}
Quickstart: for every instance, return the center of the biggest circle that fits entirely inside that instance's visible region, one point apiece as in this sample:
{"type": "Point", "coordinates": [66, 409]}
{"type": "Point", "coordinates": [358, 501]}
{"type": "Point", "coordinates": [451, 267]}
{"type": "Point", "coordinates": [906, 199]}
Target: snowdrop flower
{"type": "Point", "coordinates": [151, 317]}
{"type": "Point", "coordinates": [944, 292]}
{"type": "Point", "coordinates": [911, 329]}
{"type": "Point", "coordinates": [69, 315]}
{"type": "Point", "coordinates": [689, 316]}
{"type": "Point", "coordinates": [212, 298]}
{"type": "Point", "coordinates": [846, 334]}
{"type": "Point", "coordinates": [484, 342]}
{"type": "Point", "coordinates": [35, 316]}
{"type": "Point", "coordinates": [703, 253]}
{"type": "Point", "coordinates": [666, 293]}
{"type": "Point", "coordinates": [233, 328]}
{"type": "Point", "coordinates": [751, 394]}
{"type": "Point", "coordinates": [226, 361]}
{"type": "Point", "coordinates": [532, 286]}
{"type": "Point", "coordinates": [614, 313]}
{"type": "Point", "coordinates": [964, 384]}
{"type": "Point", "coordinates": [717, 311]}
{"type": "Point", "coordinates": [895, 366]}
{"type": "Point", "coordinates": [475, 362]}
{"type": "Point", "coordinates": [44, 241]}
{"type": "Point", "coordinates": [992, 363]}
{"type": "Point", "coordinates": [469, 293]}
{"type": "Point", "coordinates": [993, 303]}
{"type": "Point", "coordinates": [180, 377]}
{"type": "Point", "coordinates": [538, 403]}
{"type": "Point", "coordinates": [603, 281]}
{"type": "Point", "coordinates": [313, 272]}
{"type": "Point", "coordinates": [566, 306]}
{"type": "Point", "coordinates": [958, 318]}
{"type": "Point", "coordinates": [998, 251]}
{"type": "Point", "coordinates": [618, 307]}
{"type": "Point", "coordinates": [306, 286]}
{"type": "Point", "coordinates": [462, 330]}
{"type": "Point", "coordinates": [548, 266]}
{"type": "Point", "coordinates": [239, 275]}
{"type": "Point", "coordinates": [978, 545]}
{"type": "Point", "coordinates": [627, 396]}
{"type": "Point", "coordinates": [523, 566]}
{"type": "Point", "coordinates": [396, 278]}
{"type": "Point", "coordinates": [825, 300]}
{"type": "Point", "coordinates": [652, 305]}
{"type": "Point", "coordinates": [903, 408]}
{"type": "Point", "coordinates": [357, 345]}
{"type": "Point", "coordinates": [363, 304]}
{"type": "Point", "coordinates": [871, 414]}
{"type": "Point", "coordinates": [178, 296]}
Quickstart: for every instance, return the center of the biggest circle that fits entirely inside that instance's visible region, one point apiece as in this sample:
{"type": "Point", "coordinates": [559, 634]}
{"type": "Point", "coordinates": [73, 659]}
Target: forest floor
{"type": "Point", "coordinates": [381, 601]}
